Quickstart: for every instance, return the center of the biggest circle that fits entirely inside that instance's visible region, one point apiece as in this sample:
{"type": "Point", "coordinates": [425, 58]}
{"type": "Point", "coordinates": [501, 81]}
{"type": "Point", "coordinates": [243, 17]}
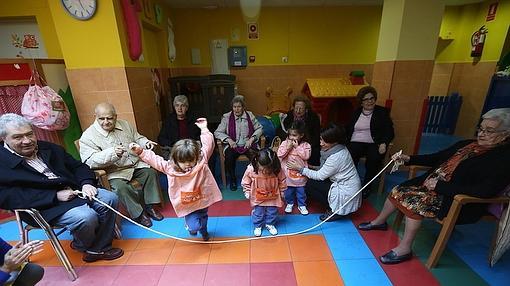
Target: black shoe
{"type": "Point", "coordinates": [144, 220]}
{"type": "Point", "coordinates": [392, 258]}
{"type": "Point", "coordinates": [368, 226]}
{"type": "Point", "coordinates": [205, 236]}
{"type": "Point", "coordinates": [154, 214]}
{"type": "Point", "coordinates": [233, 187]}
{"type": "Point", "coordinates": [328, 214]}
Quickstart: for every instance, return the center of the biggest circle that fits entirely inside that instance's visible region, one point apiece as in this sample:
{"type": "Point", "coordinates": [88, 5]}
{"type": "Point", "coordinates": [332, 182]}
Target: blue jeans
{"type": "Point", "coordinates": [92, 225]}
{"type": "Point", "coordinates": [264, 215]}
{"type": "Point", "coordinates": [197, 221]}
{"type": "Point", "coordinates": [300, 194]}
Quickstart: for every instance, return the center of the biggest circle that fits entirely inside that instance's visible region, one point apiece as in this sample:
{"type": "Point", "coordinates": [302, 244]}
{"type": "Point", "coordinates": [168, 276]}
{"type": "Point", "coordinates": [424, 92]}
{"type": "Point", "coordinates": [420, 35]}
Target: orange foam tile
{"type": "Point", "coordinates": [48, 257]}
{"type": "Point", "coordinates": [158, 243]}
{"type": "Point", "coordinates": [235, 252]}
{"type": "Point", "coordinates": [149, 257]}
{"type": "Point", "coordinates": [126, 244]}
{"type": "Point", "coordinates": [309, 248]}
{"type": "Point", "coordinates": [270, 250]}
{"type": "Point", "coordinates": [317, 273]}
{"type": "Point", "coordinates": [190, 253]}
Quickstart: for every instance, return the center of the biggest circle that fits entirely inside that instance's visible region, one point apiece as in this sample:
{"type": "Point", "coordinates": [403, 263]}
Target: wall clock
{"type": "Point", "coordinates": [80, 9]}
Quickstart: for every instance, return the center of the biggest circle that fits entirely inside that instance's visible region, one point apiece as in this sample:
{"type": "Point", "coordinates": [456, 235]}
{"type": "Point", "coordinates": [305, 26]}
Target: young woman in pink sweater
{"type": "Point", "coordinates": [191, 185]}
{"type": "Point", "coordinates": [295, 148]}
{"type": "Point", "coordinates": [263, 183]}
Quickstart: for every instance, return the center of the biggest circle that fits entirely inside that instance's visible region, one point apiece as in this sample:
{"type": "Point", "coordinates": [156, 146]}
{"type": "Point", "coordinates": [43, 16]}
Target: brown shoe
{"type": "Point", "coordinates": [154, 214]}
{"type": "Point", "coordinates": [111, 254]}
{"type": "Point", "coordinates": [144, 220]}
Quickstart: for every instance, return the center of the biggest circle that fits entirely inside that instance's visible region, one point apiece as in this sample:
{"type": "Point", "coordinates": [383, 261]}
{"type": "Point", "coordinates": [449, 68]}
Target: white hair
{"type": "Point", "coordinates": [181, 98]}
{"type": "Point", "coordinates": [13, 120]}
{"type": "Point", "coordinates": [500, 114]}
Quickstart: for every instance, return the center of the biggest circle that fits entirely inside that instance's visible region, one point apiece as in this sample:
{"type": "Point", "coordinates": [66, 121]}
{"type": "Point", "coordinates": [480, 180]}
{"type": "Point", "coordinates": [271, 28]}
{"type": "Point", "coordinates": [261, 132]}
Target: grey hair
{"type": "Point", "coordinates": [181, 98]}
{"type": "Point", "coordinates": [238, 99]}
{"type": "Point", "coordinates": [13, 120]}
{"type": "Point", "coordinates": [500, 114]}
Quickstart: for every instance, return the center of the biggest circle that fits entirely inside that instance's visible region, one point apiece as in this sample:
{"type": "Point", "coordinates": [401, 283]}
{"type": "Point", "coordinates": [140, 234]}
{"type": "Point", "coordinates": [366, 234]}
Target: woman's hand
{"type": "Point", "coordinates": [201, 123]}
{"type": "Point", "coordinates": [19, 254]}
{"type": "Point", "coordinates": [89, 191]}
{"type": "Point", "coordinates": [150, 145]}
{"type": "Point", "coordinates": [397, 157]}
{"type": "Point", "coordinates": [382, 148]}
{"type": "Point", "coordinates": [135, 148]}
{"type": "Point", "coordinates": [249, 142]}
{"type": "Point", "coordinates": [293, 165]}
{"type": "Point", "coordinates": [231, 143]}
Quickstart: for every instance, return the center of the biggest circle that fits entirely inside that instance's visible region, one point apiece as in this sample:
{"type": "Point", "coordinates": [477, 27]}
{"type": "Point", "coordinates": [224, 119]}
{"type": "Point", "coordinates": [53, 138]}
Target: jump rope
{"type": "Point", "coordinates": [394, 168]}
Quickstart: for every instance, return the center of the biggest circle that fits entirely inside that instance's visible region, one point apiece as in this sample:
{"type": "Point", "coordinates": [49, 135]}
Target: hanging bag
{"type": "Point", "coordinates": [44, 107]}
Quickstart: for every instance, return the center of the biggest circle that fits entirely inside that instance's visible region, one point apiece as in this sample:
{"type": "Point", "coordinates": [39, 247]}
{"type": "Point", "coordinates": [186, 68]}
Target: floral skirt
{"type": "Point", "coordinates": [416, 202]}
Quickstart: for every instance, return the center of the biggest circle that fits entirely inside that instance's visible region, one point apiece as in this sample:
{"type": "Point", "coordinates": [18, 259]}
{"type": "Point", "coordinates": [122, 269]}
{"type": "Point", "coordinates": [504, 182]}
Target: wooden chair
{"type": "Point", "coordinates": [221, 153]}
{"type": "Point", "coordinates": [52, 237]}
{"type": "Point", "coordinates": [448, 223]}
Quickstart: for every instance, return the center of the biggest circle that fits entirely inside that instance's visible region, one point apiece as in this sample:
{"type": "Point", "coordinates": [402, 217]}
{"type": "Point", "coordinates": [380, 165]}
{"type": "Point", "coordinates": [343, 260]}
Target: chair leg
{"type": "Point", "coordinates": [444, 235]}
{"type": "Point", "coordinates": [380, 189]}
{"type": "Point", "coordinates": [222, 170]}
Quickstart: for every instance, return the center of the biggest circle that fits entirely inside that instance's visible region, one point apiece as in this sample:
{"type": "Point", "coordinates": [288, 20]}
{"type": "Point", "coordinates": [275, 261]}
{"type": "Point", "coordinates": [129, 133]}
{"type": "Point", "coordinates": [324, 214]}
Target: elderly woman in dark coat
{"type": "Point", "coordinates": [302, 111]}
{"type": "Point", "coordinates": [369, 131]}
{"type": "Point", "coordinates": [473, 167]}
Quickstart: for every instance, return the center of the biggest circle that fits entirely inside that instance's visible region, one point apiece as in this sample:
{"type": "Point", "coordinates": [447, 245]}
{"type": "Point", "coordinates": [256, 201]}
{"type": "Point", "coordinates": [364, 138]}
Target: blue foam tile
{"type": "Point", "coordinates": [348, 245]}
{"type": "Point", "coordinates": [363, 272]}
{"type": "Point", "coordinates": [294, 223]}
{"type": "Point", "coordinates": [234, 226]}
{"type": "Point", "coordinates": [9, 231]}
{"type": "Point", "coordinates": [338, 226]}
{"type": "Point", "coordinates": [212, 222]}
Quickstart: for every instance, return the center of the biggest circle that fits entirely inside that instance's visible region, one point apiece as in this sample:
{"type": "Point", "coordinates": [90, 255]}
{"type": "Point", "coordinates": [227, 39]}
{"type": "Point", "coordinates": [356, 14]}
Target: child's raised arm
{"type": "Point", "coordinates": [206, 137]}
{"type": "Point", "coordinates": [149, 157]}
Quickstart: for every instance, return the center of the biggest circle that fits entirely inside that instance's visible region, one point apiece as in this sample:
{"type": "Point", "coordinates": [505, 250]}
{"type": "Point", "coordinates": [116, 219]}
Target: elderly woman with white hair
{"type": "Point", "coordinates": [240, 130]}
{"type": "Point", "coordinates": [477, 168]}
{"type": "Point", "coordinates": [179, 125]}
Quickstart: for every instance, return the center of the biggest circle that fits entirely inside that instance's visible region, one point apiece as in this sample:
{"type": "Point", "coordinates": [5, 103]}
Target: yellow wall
{"type": "Point", "coordinates": [306, 35]}
{"type": "Point", "coordinates": [41, 11]}
{"type": "Point", "coordinates": [93, 43]}
{"type": "Point", "coordinates": [463, 21]}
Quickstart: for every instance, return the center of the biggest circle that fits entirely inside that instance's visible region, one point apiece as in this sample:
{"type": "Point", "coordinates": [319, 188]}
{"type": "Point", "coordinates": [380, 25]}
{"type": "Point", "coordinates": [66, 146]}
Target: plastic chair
{"type": "Point", "coordinates": [448, 223]}
{"type": "Point", "coordinates": [49, 231]}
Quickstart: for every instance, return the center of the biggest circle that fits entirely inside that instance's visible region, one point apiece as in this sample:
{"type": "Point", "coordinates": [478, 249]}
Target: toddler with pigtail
{"type": "Point", "coordinates": [191, 185]}
{"type": "Point", "coordinates": [263, 184]}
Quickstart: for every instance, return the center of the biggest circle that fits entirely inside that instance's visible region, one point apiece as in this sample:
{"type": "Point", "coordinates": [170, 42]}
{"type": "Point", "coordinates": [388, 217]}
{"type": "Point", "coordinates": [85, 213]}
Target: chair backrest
{"type": "Point", "coordinates": [77, 144]}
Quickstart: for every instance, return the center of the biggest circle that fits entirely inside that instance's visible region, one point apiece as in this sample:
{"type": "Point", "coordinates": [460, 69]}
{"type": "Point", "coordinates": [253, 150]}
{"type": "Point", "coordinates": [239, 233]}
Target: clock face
{"type": "Point", "coordinates": [80, 9]}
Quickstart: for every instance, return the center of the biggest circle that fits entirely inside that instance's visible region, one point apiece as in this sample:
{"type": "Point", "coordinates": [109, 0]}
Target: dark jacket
{"type": "Point", "coordinates": [313, 135]}
{"type": "Point", "coordinates": [21, 186]}
{"type": "Point", "coordinates": [169, 133]}
{"type": "Point", "coordinates": [4, 248]}
{"type": "Point", "coordinates": [483, 176]}
{"type": "Point", "coordinates": [381, 126]}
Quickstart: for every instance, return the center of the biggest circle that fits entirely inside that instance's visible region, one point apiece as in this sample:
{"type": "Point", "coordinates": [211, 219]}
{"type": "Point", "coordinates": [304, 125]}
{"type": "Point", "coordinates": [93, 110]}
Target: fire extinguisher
{"type": "Point", "coordinates": [477, 42]}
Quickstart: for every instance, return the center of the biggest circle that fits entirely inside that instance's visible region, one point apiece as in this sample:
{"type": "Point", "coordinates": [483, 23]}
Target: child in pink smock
{"type": "Point", "coordinates": [263, 183]}
{"type": "Point", "coordinates": [295, 148]}
{"type": "Point", "coordinates": [191, 185]}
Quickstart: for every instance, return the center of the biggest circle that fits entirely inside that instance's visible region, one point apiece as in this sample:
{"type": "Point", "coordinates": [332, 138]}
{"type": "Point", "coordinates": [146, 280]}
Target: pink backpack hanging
{"type": "Point", "coordinates": [44, 107]}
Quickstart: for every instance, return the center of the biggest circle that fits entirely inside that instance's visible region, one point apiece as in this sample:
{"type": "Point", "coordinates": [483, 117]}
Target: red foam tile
{"type": "Point", "coordinates": [228, 275]}
{"type": "Point", "coordinates": [263, 274]}
{"type": "Point", "coordinates": [139, 275]}
{"type": "Point", "coordinates": [183, 275]}
{"type": "Point", "coordinates": [412, 272]}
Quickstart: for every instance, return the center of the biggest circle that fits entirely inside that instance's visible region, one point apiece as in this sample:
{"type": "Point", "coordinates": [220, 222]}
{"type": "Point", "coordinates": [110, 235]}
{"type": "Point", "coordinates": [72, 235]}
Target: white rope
{"type": "Point", "coordinates": [239, 239]}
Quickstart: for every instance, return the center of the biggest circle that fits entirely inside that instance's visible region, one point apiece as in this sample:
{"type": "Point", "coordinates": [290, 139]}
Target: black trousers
{"type": "Point", "coordinates": [373, 160]}
{"type": "Point", "coordinates": [318, 191]}
{"type": "Point", "coordinates": [30, 275]}
{"type": "Point", "coordinates": [230, 161]}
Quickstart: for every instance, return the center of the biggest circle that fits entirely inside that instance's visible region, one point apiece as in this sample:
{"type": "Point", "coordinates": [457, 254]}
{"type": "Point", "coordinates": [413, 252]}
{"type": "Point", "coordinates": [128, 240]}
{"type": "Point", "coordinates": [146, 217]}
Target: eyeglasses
{"type": "Point", "coordinates": [368, 99]}
{"type": "Point", "coordinates": [487, 131]}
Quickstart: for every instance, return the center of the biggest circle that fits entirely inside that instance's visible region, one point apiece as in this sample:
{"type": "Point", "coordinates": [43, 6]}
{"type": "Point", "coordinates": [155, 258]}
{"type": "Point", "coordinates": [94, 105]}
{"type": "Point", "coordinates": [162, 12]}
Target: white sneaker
{"type": "Point", "coordinates": [257, 231]}
{"type": "Point", "coordinates": [272, 229]}
{"type": "Point", "coordinates": [303, 210]}
{"type": "Point", "coordinates": [288, 208]}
